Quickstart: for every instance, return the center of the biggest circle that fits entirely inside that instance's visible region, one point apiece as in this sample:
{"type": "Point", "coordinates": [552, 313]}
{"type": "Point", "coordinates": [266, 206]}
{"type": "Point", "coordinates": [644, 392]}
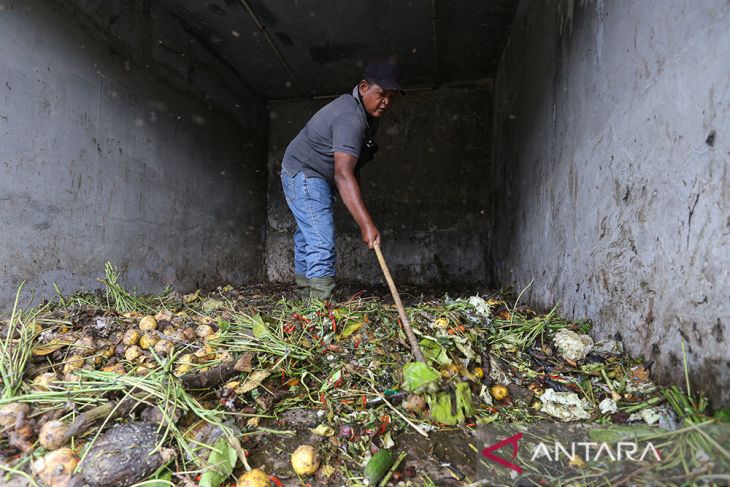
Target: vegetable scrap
{"type": "Point", "coordinates": [253, 387]}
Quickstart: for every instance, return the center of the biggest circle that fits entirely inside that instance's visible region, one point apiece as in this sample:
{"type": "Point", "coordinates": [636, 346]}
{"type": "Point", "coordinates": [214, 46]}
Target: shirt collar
{"type": "Point", "coordinates": [358, 99]}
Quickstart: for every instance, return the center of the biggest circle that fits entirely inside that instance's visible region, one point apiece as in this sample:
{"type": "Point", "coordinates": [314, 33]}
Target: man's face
{"type": "Point", "coordinates": [375, 99]}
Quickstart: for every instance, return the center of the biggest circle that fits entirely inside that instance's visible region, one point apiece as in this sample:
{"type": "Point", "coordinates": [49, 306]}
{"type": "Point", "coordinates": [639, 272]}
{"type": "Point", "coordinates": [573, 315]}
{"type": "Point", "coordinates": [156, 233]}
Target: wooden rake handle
{"type": "Point", "coordinates": [401, 312]}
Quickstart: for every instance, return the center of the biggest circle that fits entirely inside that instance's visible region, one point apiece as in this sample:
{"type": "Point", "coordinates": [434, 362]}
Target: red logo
{"type": "Point", "coordinates": [512, 440]}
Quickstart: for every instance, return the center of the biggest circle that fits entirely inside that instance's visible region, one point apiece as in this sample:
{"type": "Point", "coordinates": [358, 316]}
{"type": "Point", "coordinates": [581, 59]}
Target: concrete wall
{"type": "Point", "coordinates": [425, 190]}
{"type": "Point", "coordinates": [107, 152]}
{"type": "Point", "coordinates": [611, 165]}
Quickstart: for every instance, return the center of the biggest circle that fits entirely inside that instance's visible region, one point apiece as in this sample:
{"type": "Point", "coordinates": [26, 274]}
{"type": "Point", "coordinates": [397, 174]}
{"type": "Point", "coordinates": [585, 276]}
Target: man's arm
{"type": "Point", "coordinates": [349, 190]}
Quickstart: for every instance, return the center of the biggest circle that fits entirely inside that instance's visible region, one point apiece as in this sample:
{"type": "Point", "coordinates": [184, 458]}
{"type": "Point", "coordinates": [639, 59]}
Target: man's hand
{"type": "Point", "coordinates": [349, 190]}
{"type": "Point", "coordinates": [370, 235]}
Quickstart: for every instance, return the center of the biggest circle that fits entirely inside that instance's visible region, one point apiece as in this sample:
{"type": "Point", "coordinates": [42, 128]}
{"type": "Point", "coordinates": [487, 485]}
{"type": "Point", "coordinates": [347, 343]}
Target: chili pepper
{"type": "Point", "coordinates": [357, 343]}
{"type": "Point", "coordinates": [385, 421]}
{"type": "Point", "coordinates": [276, 481]}
{"type": "Point", "coordinates": [299, 317]}
{"type": "Point", "coordinates": [334, 322]}
{"type": "Point", "coordinates": [289, 328]}
{"type": "Point", "coordinates": [364, 401]}
{"type": "Point", "coordinates": [456, 329]}
{"type": "Point", "coordinates": [338, 383]}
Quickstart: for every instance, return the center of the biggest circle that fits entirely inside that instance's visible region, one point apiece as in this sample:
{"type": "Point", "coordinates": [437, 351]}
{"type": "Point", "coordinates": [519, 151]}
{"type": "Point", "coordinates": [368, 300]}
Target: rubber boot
{"type": "Point", "coordinates": [303, 288]}
{"type": "Point", "coordinates": [322, 287]}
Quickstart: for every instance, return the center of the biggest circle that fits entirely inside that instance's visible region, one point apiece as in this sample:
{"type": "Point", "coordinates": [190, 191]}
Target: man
{"type": "Point", "coordinates": [327, 154]}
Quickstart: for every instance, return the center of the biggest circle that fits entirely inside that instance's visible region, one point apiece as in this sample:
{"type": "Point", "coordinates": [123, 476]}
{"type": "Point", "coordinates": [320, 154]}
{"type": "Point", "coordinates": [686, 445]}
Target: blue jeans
{"type": "Point", "coordinates": [311, 202]}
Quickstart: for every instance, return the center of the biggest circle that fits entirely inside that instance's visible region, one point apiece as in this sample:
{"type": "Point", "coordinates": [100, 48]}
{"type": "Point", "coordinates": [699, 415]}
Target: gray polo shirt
{"type": "Point", "coordinates": [340, 126]}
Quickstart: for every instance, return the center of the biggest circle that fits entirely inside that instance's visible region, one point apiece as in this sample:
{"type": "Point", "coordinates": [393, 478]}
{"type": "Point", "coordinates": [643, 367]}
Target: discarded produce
{"type": "Point", "coordinates": [11, 413]}
{"type": "Point", "coordinates": [253, 478]}
{"type": "Point", "coordinates": [499, 392]}
{"type": "Point", "coordinates": [148, 323]}
{"type": "Point", "coordinates": [305, 460]}
{"type": "Point", "coordinates": [571, 345]}
{"type": "Point", "coordinates": [123, 456]}
{"type": "Point", "coordinates": [414, 403]}
{"type": "Point", "coordinates": [566, 406]}
{"type": "Point", "coordinates": [52, 435]}
{"type": "Point", "coordinates": [378, 466]}
{"type": "Point", "coordinates": [55, 468]}
{"type": "Point", "coordinates": [170, 387]}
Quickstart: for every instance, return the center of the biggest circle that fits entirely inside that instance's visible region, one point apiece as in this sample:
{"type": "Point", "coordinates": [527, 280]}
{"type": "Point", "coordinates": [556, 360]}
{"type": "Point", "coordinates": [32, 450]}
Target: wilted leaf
{"type": "Point", "coordinates": [209, 305]}
{"type": "Point", "coordinates": [223, 324]}
{"type": "Point", "coordinates": [331, 380]}
{"type": "Point", "coordinates": [350, 328]}
{"type": "Point", "coordinates": [244, 363]}
{"type": "Point", "coordinates": [441, 405]}
{"type": "Point", "coordinates": [323, 430]}
{"type": "Point", "coordinates": [464, 347]}
{"type": "Point", "coordinates": [433, 351]}
{"type": "Point", "coordinates": [253, 381]}
{"type": "Point", "coordinates": [259, 328]}
{"type": "Point", "coordinates": [418, 375]}
{"type": "Point", "coordinates": [49, 348]}
{"type": "Point", "coordinates": [221, 461]}
{"type": "Point", "coordinates": [189, 298]}
{"type": "Point", "coordinates": [481, 306]}
{"type": "Point", "coordinates": [388, 442]}
{"type": "Point", "coordinates": [163, 478]}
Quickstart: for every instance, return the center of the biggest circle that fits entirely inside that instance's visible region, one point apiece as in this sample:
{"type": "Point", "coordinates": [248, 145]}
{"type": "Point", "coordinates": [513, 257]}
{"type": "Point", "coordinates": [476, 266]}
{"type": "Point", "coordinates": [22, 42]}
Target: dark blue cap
{"type": "Point", "coordinates": [385, 74]}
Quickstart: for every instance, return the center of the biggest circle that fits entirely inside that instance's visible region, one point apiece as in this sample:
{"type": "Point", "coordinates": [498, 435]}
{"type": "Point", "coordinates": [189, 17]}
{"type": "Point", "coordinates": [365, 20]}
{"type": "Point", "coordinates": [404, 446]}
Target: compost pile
{"type": "Point", "coordinates": [115, 388]}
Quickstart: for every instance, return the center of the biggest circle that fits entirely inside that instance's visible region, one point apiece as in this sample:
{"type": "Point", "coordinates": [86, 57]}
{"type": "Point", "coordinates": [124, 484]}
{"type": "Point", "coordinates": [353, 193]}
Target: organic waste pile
{"type": "Point", "coordinates": [240, 386]}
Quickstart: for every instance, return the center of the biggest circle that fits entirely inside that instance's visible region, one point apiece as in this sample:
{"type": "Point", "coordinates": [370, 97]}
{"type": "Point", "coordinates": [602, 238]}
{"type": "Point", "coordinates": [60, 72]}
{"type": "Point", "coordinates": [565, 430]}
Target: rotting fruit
{"type": "Point", "coordinates": [148, 323]}
{"type": "Point", "coordinates": [254, 478]}
{"type": "Point", "coordinates": [499, 392]}
{"type": "Point", "coordinates": [53, 435]}
{"type": "Point", "coordinates": [305, 460]}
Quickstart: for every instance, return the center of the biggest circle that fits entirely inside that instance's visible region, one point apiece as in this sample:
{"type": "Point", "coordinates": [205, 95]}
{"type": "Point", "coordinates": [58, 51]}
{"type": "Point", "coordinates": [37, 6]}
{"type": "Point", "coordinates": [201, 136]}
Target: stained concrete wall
{"type": "Point", "coordinates": [611, 166]}
{"type": "Point", "coordinates": [424, 189]}
{"type": "Point", "coordinates": [107, 154]}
